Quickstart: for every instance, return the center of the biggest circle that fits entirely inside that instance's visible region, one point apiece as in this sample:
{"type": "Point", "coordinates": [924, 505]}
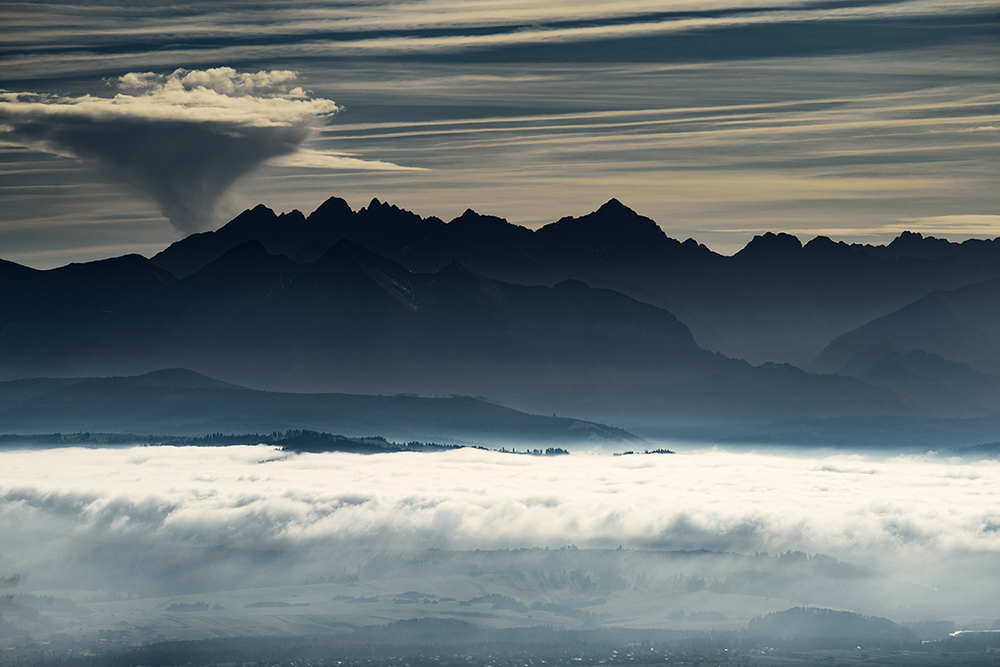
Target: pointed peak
{"type": "Point", "coordinates": [250, 248]}
{"type": "Point", "coordinates": [613, 220]}
{"type": "Point", "coordinates": [345, 248]}
{"type": "Point", "coordinates": [458, 272]}
{"type": "Point", "coordinates": [614, 206]}
{"type": "Point", "coordinates": [473, 216]}
{"type": "Point", "coordinates": [250, 256]}
{"type": "Point", "coordinates": [468, 220]}
{"type": "Point", "coordinates": [345, 245]}
{"type": "Point", "coordinates": [249, 219]}
{"type": "Point", "coordinates": [333, 207]}
{"type": "Point", "coordinates": [340, 251]}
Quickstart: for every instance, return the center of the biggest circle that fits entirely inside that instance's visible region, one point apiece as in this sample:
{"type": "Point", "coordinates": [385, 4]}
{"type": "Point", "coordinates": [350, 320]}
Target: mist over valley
{"type": "Point", "coordinates": [426, 333]}
{"type": "Point", "coordinates": [155, 543]}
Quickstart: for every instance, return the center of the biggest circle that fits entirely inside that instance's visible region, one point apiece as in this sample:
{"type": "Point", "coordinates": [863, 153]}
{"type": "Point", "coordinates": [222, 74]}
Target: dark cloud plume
{"type": "Point", "coordinates": [181, 139]}
{"type": "Point", "coordinates": [185, 167]}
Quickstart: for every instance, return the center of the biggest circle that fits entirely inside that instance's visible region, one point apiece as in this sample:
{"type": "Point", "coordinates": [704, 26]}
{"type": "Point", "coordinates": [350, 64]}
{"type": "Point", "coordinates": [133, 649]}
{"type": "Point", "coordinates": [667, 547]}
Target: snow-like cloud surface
{"type": "Point", "coordinates": [184, 138]}
{"type": "Point", "coordinates": [243, 497]}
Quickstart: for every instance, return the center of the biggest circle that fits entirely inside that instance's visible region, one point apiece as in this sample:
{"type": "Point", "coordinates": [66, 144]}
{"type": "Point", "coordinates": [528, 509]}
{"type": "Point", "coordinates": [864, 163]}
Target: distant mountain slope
{"type": "Point", "coordinates": [961, 325]}
{"type": "Point", "coordinates": [813, 623]}
{"type": "Point", "coordinates": [601, 316]}
{"type": "Point", "coordinates": [38, 307]}
{"type": "Point", "coordinates": [31, 298]}
{"type": "Point", "coordinates": [911, 245]}
{"type": "Point", "coordinates": [356, 322]}
{"type": "Point", "coordinates": [776, 300]}
{"type": "Point", "coordinates": [181, 402]}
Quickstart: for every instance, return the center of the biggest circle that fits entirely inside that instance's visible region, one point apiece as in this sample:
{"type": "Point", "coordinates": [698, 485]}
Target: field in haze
{"type": "Point", "coordinates": [151, 543]}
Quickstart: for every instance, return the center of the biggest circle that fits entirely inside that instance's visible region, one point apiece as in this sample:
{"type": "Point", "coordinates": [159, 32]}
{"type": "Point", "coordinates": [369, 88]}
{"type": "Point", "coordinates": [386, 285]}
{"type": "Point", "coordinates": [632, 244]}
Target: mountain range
{"type": "Point", "coordinates": [179, 402]}
{"type": "Point", "coordinates": [599, 317]}
{"type": "Point", "coordinates": [776, 300]}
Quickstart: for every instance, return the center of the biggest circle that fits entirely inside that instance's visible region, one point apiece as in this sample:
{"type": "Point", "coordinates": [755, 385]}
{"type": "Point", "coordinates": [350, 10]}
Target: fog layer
{"type": "Point", "coordinates": [904, 515]}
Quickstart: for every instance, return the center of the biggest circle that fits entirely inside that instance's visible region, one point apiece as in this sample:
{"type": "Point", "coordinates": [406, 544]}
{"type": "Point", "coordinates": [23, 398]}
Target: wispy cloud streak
{"type": "Point", "coordinates": [68, 36]}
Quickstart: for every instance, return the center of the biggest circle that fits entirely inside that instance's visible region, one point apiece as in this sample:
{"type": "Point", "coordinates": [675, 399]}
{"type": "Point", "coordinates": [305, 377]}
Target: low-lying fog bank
{"type": "Point", "coordinates": [219, 541]}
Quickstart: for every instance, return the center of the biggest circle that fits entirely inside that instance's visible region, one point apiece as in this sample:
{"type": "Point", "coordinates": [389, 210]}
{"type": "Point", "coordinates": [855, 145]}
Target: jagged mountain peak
{"type": "Point", "coordinates": [613, 223]}
{"type": "Point", "coordinates": [471, 216]}
{"type": "Point", "coordinates": [771, 246]}
{"type": "Point", "coordinates": [614, 206]}
{"type": "Point", "coordinates": [332, 208]}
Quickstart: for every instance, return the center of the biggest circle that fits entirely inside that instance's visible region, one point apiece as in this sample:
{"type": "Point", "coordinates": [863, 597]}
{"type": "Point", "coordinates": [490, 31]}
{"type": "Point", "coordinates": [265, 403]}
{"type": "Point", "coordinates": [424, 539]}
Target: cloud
{"type": "Point", "coordinates": [166, 520]}
{"type": "Point", "coordinates": [305, 29]}
{"type": "Point", "coordinates": [182, 139]}
{"type": "Point", "coordinates": [255, 497]}
{"type": "Point", "coordinates": [315, 159]}
{"type": "Point", "coordinates": [962, 226]}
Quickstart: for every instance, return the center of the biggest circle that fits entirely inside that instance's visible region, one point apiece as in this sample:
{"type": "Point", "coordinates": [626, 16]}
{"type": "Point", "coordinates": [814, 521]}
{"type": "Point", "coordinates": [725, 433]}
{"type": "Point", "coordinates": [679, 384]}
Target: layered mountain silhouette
{"type": "Point", "coordinates": [181, 402]}
{"type": "Point", "coordinates": [961, 325]}
{"type": "Point", "coordinates": [601, 316]}
{"type": "Point", "coordinates": [776, 300]}
{"type": "Point", "coordinates": [36, 301]}
{"type": "Point", "coordinates": [354, 321]}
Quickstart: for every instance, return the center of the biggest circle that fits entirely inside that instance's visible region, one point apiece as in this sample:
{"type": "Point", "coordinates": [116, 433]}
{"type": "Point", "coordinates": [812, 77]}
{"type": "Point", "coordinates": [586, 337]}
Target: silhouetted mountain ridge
{"type": "Point", "coordinates": [576, 317]}
{"type": "Point", "coordinates": [182, 402]}
{"type": "Point", "coordinates": [961, 325]}
{"type": "Point", "coordinates": [776, 300]}
{"type": "Point", "coordinates": [356, 322]}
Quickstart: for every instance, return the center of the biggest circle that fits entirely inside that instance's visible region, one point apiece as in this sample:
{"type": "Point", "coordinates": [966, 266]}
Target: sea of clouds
{"type": "Point", "coordinates": [909, 514]}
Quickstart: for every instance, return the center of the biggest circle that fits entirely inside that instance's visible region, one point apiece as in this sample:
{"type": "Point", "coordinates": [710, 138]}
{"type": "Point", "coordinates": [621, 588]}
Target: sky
{"type": "Point", "coordinates": [125, 126]}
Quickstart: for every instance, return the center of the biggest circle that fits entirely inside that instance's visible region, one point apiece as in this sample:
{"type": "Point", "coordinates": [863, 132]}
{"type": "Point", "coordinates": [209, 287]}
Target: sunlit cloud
{"type": "Point", "coordinates": [964, 226]}
{"type": "Point", "coordinates": [514, 23]}
{"type": "Point", "coordinates": [182, 139]}
{"type": "Point", "coordinates": [314, 159]}
{"type": "Point", "coordinates": [254, 496]}
{"type": "Point", "coordinates": [195, 518]}
{"type": "Point", "coordinates": [451, 105]}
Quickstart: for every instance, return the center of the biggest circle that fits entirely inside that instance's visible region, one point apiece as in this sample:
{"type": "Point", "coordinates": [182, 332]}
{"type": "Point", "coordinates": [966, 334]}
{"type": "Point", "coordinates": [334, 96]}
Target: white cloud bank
{"type": "Point", "coordinates": [182, 139]}
{"type": "Point", "coordinates": [253, 497]}
{"type": "Point", "coordinates": [166, 521]}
